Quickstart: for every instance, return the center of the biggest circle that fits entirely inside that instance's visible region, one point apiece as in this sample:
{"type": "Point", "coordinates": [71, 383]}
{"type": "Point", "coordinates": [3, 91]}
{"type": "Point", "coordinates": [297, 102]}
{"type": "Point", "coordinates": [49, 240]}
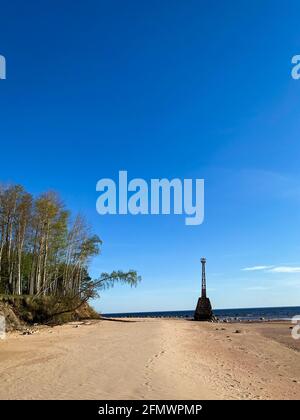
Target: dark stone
{"type": "Point", "coordinates": [204, 310]}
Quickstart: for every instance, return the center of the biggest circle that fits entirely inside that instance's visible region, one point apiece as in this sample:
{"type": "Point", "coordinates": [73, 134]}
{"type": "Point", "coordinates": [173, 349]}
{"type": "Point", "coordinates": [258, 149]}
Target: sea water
{"type": "Point", "coordinates": [244, 314]}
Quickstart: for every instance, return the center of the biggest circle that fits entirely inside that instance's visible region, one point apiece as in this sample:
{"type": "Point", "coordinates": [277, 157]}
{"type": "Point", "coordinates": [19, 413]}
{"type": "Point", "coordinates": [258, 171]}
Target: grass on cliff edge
{"type": "Point", "coordinates": [48, 309]}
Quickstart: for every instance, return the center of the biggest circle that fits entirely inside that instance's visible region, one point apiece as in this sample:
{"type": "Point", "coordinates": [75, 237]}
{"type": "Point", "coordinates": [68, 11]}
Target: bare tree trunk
{"type": "Point", "coordinates": [46, 246]}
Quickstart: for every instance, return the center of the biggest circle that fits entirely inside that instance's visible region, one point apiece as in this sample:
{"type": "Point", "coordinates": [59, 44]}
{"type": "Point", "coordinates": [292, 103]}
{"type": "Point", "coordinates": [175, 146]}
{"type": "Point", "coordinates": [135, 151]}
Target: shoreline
{"type": "Point", "coordinates": [145, 358]}
{"type": "Point", "coordinates": [215, 321]}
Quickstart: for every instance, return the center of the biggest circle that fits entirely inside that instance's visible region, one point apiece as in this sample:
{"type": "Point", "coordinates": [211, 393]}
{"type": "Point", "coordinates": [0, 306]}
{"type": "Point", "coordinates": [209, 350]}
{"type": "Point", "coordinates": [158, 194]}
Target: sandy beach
{"type": "Point", "coordinates": [151, 359]}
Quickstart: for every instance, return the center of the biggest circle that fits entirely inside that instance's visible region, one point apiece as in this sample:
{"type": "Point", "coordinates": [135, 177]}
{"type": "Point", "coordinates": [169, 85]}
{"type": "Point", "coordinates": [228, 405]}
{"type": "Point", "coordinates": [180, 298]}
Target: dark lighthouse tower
{"type": "Point", "coordinates": [203, 311]}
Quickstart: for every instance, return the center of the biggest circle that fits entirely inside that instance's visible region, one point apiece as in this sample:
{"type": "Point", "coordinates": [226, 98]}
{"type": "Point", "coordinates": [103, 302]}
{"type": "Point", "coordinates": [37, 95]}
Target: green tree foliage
{"type": "Point", "coordinates": [43, 251]}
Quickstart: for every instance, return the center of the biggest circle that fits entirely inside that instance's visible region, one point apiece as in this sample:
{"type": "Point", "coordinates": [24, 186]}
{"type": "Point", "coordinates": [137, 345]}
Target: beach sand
{"type": "Point", "coordinates": [152, 359]}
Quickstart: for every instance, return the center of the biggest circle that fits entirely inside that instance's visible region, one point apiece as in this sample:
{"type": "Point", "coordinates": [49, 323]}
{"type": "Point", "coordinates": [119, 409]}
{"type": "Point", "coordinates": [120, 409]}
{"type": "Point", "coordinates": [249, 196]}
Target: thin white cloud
{"type": "Point", "coordinates": [257, 268]}
{"type": "Point", "coordinates": [274, 268]}
{"type": "Point", "coordinates": [257, 288]}
{"type": "Point", "coordinates": [284, 269]}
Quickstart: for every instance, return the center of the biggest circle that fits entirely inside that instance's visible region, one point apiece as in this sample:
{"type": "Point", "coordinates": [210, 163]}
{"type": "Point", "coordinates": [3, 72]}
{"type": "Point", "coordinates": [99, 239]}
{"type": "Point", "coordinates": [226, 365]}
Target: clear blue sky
{"type": "Point", "coordinates": [170, 89]}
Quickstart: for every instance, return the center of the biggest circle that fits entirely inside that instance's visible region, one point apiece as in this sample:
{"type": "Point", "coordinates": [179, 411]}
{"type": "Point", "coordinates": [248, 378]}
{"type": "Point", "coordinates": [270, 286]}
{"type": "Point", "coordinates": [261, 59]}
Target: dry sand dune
{"type": "Point", "coordinates": [152, 359]}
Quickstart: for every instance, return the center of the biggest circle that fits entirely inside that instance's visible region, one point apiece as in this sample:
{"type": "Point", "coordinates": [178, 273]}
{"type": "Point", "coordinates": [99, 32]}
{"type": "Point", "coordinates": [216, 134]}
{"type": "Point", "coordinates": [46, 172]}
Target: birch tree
{"type": "Point", "coordinates": [44, 251]}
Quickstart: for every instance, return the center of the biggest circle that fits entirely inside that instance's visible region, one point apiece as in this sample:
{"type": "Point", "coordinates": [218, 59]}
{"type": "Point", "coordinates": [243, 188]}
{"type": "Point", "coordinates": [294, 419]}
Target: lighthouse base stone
{"type": "Point", "coordinates": [204, 310]}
